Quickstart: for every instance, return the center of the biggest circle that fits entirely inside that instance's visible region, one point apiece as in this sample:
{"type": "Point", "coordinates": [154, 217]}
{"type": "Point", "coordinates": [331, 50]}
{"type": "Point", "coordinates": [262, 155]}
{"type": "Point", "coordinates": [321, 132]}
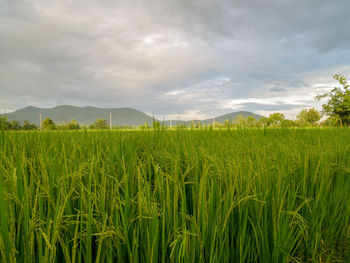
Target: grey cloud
{"type": "Point", "coordinates": [269, 107]}
{"type": "Point", "coordinates": [278, 89]}
{"type": "Point", "coordinates": [132, 53]}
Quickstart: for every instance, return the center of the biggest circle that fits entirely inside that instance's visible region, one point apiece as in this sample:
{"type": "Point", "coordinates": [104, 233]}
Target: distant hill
{"type": "Point", "coordinates": [84, 115]}
{"type": "Point", "coordinates": [120, 116]}
{"type": "Point", "coordinates": [220, 119]}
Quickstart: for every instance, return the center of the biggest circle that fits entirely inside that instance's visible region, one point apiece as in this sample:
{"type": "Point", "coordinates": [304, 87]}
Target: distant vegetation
{"type": "Point", "coordinates": [306, 118]}
{"type": "Point", "coordinates": [16, 126]}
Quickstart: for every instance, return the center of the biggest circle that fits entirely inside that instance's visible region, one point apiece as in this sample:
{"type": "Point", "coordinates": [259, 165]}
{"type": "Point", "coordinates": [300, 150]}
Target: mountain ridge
{"type": "Point", "coordinates": [124, 116]}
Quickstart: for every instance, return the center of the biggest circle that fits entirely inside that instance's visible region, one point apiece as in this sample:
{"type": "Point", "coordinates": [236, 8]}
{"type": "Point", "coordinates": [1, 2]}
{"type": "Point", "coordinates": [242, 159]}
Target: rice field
{"type": "Point", "coordinates": [246, 195]}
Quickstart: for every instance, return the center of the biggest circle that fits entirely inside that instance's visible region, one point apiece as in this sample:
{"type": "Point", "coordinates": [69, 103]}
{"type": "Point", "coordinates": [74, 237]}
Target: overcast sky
{"type": "Point", "coordinates": [178, 59]}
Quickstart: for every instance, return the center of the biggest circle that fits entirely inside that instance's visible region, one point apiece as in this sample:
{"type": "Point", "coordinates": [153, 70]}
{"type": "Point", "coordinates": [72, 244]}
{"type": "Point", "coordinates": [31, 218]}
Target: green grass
{"type": "Point", "coordinates": [246, 195]}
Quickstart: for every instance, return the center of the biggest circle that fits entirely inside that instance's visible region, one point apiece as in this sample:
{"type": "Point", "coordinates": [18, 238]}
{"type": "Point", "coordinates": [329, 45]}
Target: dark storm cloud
{"type": "Point", "coordinates": [168, 57]}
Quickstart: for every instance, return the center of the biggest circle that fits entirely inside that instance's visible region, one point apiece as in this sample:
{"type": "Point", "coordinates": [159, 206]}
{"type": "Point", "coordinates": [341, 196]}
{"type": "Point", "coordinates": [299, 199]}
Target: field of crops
{"type": "Point", "coordinates": [247, 195]}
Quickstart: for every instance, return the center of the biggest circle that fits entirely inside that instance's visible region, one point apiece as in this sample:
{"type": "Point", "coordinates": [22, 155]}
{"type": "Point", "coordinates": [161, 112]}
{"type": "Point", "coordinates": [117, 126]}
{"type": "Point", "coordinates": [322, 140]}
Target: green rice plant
{"type": "Point", "coordinates": [231, 195]}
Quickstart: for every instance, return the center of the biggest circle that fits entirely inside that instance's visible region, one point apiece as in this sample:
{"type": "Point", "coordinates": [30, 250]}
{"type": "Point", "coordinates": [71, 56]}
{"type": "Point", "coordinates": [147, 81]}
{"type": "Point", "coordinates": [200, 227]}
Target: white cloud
{"type": "Point", "coordinates": [174, 92]}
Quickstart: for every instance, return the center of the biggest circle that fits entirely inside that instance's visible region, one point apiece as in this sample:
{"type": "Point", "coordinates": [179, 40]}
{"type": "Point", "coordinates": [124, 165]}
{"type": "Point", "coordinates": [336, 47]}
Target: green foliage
{"type": "Point", "coordinates": [263, 121]}
{"type": "Point", "coordinates": [338, 104]}
{"type": "Point", "coordinates": [288, 123]}
{"type": "Point", "coordinates": [331, 122]}
{"type": "Point", "coordinates": [218, 125]}
{"type": "Point", "coordinates": [181, 127]}
{"type": "Point", "coordinates": [15, 125]}
{"type": "Point", "coordinates": [227, 124]}
{"type": "Point", "coordinates": [239, 120]}
{"type": "Point", "coordinates": [276, 119]}
{"type": "Point", "coordinates": [73, 125]}
{"type": "Point", "coordinates": [2, 137]}
{"type": "Point", "coordinates": [198, 125]}
{"type": "Point", "coordinates": [99, 124]}
{"type": "Point", "coordinates": [245, 195]}
{"type": "Point", "coordinates": [192, 124]}
{"type": "Point", "coordinates": [308, 117]}
{"type": "Point", "coordinates": [156, 125]}
{"type": "Point", "coordinates": [251, 121]}
{"type": "Point", "coordinates": [29, 126]}
{"type": "Point", "coordinates": [48, 124]}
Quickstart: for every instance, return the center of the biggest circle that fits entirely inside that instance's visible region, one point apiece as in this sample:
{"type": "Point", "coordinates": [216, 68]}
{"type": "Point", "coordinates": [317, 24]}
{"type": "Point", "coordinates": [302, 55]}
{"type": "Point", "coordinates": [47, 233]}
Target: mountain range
{"type": "Point", "coordinates": [120, 116]}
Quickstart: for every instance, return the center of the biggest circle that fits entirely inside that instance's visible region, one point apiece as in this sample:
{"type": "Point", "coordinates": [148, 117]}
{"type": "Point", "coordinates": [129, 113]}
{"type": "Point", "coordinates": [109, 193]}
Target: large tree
{"type": "Point", "coordinates": [239, 120]}
{"type": "Point", "coordinates": [338, 104]}
{"type": "Point", "coordinates": [251, 121]}
{"type": "Point", "coordinates": [308, 116]}
{"type": "Point", "coordinates": [276, 119]}
{"type": "Point", "coordinates": [28, 126]}
{"type": "Point", "coordinates": [73, 125]}
{"type": "Point", "coordinates": [48, 124]}
{"type": "Point", "coordinates": [99, 124]}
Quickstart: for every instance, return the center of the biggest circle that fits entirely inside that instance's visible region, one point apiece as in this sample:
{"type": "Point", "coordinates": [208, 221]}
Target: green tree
{"type": "Point", "coordinates": [28, 126]}
{"type": "Point", "coordinates": [308, 116]}
{"type": "Point", "coordinates": [13, 125]}
{"type": "Point", "coordinates": [48, 124]}
{"type": "Point", "coordinates": [338, 104]}
{"type": "Point", "coordinates": [288, 123]}
{"type": "Point", "coordinates": [276, 119]}
{"type": "Point", "coordinates": [99, 124]}
{"type": "Point", "coordinates": [251, 121]}
{"type": "Point", "coordinates": [240, 120]}
{"type": "Point", "coordinates": [263, 121]}
{"type": "Point", "coordinates": [331, 122]}
{"type": "Point", "coordinates": [73, 125]}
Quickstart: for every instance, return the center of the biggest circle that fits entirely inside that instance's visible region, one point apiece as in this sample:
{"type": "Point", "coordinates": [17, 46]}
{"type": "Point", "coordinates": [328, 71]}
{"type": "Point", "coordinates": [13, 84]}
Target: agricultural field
{"type": "Point", "coordinates": [243, 195]}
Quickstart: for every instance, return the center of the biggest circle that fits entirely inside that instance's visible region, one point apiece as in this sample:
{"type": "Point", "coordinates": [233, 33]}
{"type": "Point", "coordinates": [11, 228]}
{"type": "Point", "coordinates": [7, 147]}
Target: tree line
{"type": "Point", "coordinates": [306, 118]}
{"type": "Point", "coordinates": [47, 124]}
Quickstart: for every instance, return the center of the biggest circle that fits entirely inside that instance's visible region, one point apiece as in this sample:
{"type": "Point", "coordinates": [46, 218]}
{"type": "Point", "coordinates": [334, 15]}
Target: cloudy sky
{"type": "Point", "coordinates": [178, 59]}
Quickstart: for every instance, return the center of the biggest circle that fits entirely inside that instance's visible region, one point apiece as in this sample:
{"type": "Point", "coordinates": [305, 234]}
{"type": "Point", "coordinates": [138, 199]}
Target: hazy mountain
{"type": "Point", "coordinates": [84, 115]}
{"type": "Point", "coordinates": [120, 116]}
